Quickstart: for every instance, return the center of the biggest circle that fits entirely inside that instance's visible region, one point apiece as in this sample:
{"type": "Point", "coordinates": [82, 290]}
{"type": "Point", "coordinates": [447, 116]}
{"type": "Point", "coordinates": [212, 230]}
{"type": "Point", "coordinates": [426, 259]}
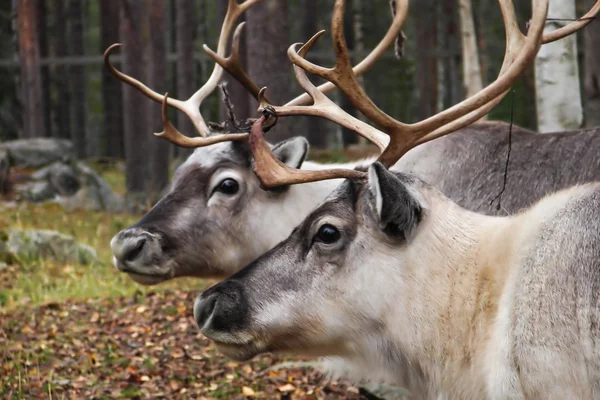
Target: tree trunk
{"type": "Point", "coordinates": [240, 99]}
{"type": "Point", "coordinates": [137, 129]}
{"type": "Point", "coordinates": [426, 71]}
{"type": "Point", "coordinates": [185, 64]}
{"type": "Point", "coordinates": [45, 70]}
{"type": "Point", "coordinates": [557, 76]}
{"type": "Point", "coordinates": [268, 64]}
{"type": "Point", "coordinates": [62, 112]}
{"type": "Point", "coordinates": [112, 98]}
{"type": "Point", "coordinates": [81, 142]}
{"type": "Point", "coordinates": [158, 176]}
{"type": "Point", "coordinates": [470, 55]}
{"type": "Point", "coordinates": [31, 85]}
{"type": "Point", "coordinates": [591, 82]}
{"type": "Point", "coordinates": [349, 137]}
{"type": "Point", "coordinates": [315, 127]}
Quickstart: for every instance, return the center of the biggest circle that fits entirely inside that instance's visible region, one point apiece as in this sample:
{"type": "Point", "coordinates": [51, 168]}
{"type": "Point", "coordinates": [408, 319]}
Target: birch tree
{"type": "Point", "coordinates": [558, 100]}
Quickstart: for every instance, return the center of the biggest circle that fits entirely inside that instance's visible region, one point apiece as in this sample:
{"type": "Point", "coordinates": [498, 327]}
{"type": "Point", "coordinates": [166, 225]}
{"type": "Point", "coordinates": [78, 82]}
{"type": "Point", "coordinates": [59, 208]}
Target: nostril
{"type": "Point", "coordinates": [135, 251]}
{"type": "Point", "coordinates": [203, 309]}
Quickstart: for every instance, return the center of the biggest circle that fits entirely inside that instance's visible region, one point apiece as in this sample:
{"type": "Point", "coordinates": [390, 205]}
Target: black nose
{"type": "Point", "coordinates": [127, 249]}
{"type": "Point", "coordinates": [132, 252]}
{"type": "Point", "coordinates": [222, 308]}
{"type": "Point", "coordinates": [203, 309]}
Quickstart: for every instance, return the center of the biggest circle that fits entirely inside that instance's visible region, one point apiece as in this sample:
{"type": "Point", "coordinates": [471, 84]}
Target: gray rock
{"type": "Point", "coordinates": [30, 245]}
{"type": "Point", "coordinates": [72, 184]}
{"type": "Point", "coordinates": [37, 152]}
{"type": "Point", "coordinates": [37, 192]}
{"type": "Point", "coordinates": [95, 194]}
{"type": "Point", "coordinates": [4, 170]}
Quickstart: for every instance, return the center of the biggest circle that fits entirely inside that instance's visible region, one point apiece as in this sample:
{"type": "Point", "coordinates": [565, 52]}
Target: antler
{"type": "Point", "coordinates": [191, 107]}
{"type": "Point", "coordinates": [520, 51]}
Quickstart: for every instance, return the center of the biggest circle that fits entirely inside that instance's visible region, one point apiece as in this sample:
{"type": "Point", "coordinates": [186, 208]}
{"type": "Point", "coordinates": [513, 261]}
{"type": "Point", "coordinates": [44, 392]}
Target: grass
{"type": "Point", "coordinates": [45, 281]}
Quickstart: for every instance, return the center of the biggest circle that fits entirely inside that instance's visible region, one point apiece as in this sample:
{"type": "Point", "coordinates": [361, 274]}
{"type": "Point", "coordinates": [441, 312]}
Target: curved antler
{"type": "Point", "coordinates": [191, 107]}
{"type": "Point", "coordinates": [520, 51]}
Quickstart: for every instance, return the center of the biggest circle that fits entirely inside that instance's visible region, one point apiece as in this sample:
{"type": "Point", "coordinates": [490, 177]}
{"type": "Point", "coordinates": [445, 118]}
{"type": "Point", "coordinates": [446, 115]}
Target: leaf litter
{"type": "Point", "coordinates": [138, 347]}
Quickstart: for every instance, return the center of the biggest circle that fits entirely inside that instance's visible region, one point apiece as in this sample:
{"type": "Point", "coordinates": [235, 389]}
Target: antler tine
{"type": "Point", "coordinates": [342, 75]}
{"type": "Point", "coordinates": [232, 63]}
{"type": "Point", "coordinates": [272, 173]}
{"type": "Point", "coordinates": [322, 106]}
{"type": "Point", "coordinates": [171, 133]}
{"type": "Point", "coordinates": [573, 26]}
{"type": "Point", "coordinates": [191, 107]}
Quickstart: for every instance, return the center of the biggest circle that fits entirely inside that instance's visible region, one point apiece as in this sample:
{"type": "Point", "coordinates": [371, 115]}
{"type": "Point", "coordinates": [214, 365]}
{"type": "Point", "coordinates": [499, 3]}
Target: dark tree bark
{"type": "Point", "coordinates": [62, 113]}
{"type": "Point", "coordinates": [268, 64]}
{"type": "Point", "coordinates": [45, 69]}
{"type": "Point", "coordinates": [591, 71]}
{"type": "Point", "coordinates": [79, 134]}
{"type": "Point", "coordinates": [135, 105]}
{"type": "Point", "coordinates": [158, 176]}
{"type": "Point", "coordinates": [349, 137]}
{"type": "Point", "coordinates": [426, 71]}
{"type": "Point", "coordinates": [239, 97]}
{"type": "Point", "coordinates": [316, 131]}
{"type": "Point", "coordinates": [112, 97]}
{"type": "Point", "coordinates": [31, 85]}
{"type": "Point", "coordinates": [185, 64]}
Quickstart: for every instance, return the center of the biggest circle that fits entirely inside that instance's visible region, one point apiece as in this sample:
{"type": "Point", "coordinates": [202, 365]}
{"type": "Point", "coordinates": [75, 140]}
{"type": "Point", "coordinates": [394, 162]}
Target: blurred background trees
{"type": "Point", "coordinates": [53, 82]}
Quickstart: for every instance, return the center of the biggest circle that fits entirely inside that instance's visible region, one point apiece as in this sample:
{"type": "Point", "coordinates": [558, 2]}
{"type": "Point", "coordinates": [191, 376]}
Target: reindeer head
{"type": "Point", "coordinates": [330, 283]}
{"type": "Point", "coordinates": [215, 217]}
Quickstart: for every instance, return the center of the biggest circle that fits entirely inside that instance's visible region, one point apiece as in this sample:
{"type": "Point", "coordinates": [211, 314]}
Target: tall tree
{"type": "Point", "coordinates": [45, 69]}
{"type": "Point", "coordinates": [470, 55]}
{"type": "Point", "coordinates": [591, 81]}
{"type": "Point", "coordinates": [29, 54]}
{"type": "Point", "coordinates": [77, 80]}
{"type": "Point", "coordinates": [62, 112]}
{"type": "Point", "coordinates": [558, 97]}
{"type": "Point", "coordinates": [135, 105]}
{"type": "Point", "coordinates": [348, 136]}
{"type": "Point", "coordinates": [158, 176]}
{"type": "Point", "coordinates": [238, 95]}
{"type": "Point", "coordinates": [268, 65]}
{"type": "Point", "coordinates": [316, 130]}
{"type": "Point", "coordinates": [185, 62]}
{"type": "Point", "coordinates": [426, 72]}
{"type": "Point", "coordinates": [112, 97]}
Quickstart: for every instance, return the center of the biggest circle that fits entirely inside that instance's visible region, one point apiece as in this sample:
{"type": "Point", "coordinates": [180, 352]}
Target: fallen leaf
{"type": "Point", "coordinates": [286, 388]}
{"type": "Point", "coordinates": [247, 391]}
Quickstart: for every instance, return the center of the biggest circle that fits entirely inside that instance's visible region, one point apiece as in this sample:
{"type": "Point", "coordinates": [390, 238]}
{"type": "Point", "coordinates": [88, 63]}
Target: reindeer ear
{"type": "Point", "coordinates": [399, 212]}
{"type": "Point", "coordinates": [291, 152]}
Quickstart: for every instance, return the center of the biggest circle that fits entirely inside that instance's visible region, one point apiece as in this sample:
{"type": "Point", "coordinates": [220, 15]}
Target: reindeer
{"type": "Point", "coordinates": [216, 217]}
{"type": "Point", "coordinates": [404, 285]}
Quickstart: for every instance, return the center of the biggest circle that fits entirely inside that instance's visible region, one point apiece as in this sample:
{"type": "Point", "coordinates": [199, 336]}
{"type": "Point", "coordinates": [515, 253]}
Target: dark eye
{"type": "Point", "coordinates": [228, 186]}
{"type": "Point", "coordinates": [327, 234]}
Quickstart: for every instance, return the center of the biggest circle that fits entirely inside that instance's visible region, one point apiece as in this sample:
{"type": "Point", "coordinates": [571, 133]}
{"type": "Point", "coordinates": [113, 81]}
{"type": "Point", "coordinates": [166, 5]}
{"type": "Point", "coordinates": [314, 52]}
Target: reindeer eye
{"type": "Point", "coordinates": [327, 234]}
{"type": "Point", "coordinates": [228, 186]}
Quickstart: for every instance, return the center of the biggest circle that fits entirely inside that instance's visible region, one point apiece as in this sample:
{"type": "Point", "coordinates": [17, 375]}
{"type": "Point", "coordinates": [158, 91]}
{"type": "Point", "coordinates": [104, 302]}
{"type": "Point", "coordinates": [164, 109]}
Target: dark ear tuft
{"type": "Point", "coordinates": [291, 152]}
{"type": "Point", "coordinates": [398, 211]}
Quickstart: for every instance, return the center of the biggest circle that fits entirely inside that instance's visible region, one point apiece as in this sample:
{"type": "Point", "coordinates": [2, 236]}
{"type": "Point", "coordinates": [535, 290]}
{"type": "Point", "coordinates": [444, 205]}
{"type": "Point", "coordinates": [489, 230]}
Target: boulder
{"type": "Point", "coordinates": [30, 245]}
{"type": "Point", "coordinates": [72, 184]}
{"type": "Point", "coordinates": [4, 171]}
{"type": "Point", "coordinates": [37, 152]}
{"type": "Point", "coordinates": [95, 194]}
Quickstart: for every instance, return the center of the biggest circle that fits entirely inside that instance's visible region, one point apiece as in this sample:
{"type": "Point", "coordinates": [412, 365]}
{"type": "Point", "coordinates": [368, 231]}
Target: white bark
{"type": "Point", "coordinates": [470, 55]}
{"type": "Point", "coordinates": [558, 98]}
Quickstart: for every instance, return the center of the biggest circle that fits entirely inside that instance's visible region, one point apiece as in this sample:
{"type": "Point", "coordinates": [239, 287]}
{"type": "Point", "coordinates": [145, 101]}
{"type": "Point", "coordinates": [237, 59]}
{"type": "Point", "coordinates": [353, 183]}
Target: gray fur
{"type": "Point", "coordinates": [470, 306]}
